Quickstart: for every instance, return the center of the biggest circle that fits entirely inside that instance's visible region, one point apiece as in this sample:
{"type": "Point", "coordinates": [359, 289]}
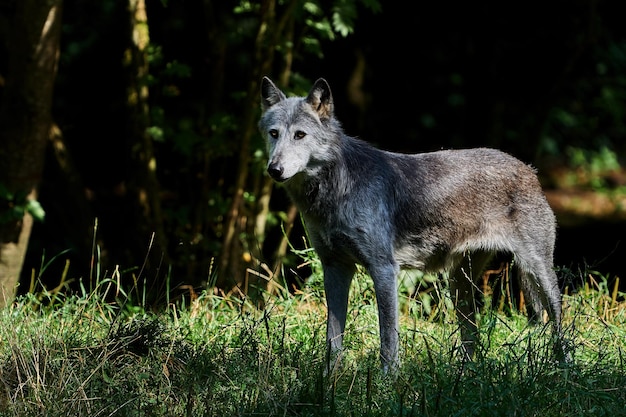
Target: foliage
{"type": "Point", "coordinates": [17, 204]}
{"type": "Point", "coordinates": [216, 355]}
{"type": "Point", "coordinates": [590, 115]}
{"type": "Point", "coordinates": [593, 168]}
{"type": "Point", "coordinates": [469, 89]}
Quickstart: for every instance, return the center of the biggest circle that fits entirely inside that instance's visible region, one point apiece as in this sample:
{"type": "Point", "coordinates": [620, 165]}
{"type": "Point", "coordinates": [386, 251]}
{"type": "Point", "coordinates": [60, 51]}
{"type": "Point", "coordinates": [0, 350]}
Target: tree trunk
{"type": "Point", "coordinates": [233, 263]}
{"type": "Point", "coordinates": [244, 230]}
{"type": "Point", "coordinates": [25, 122]}
{"type": "Point", "coordinates": [149, 241]}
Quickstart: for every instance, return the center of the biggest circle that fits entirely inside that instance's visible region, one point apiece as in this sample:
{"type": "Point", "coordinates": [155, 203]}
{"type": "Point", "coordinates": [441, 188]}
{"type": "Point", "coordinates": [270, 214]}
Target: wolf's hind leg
{"type": "Point", "coordinates": [464, 282]}
{"type": "Point", "coordinates": [532, 296]}
{"type": "Point", "coordinates": [541, 283]}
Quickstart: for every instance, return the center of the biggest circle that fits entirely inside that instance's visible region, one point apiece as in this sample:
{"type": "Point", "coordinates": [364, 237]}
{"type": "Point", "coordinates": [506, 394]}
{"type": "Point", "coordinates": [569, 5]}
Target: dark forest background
{"type": "Point", "coordinates": [154, 170]}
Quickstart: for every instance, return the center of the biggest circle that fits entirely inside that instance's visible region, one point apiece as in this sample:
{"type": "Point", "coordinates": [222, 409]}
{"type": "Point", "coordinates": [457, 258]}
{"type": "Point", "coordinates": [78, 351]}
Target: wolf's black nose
{"type": "Point", "coordinates": [275, 171]}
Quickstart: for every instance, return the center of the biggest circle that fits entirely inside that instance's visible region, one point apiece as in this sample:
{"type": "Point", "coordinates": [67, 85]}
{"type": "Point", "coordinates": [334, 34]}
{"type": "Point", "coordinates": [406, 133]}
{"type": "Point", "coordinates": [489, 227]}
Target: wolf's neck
{"type": "Point", "coordinates": [316, 194]}
{"type": "Point", "coordinates": [351, 167]}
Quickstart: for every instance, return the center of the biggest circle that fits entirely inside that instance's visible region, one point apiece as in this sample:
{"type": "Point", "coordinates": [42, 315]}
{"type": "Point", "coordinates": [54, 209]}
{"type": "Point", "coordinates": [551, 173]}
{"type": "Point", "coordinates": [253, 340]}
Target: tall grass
{"type": "Point", "coordinates": [219, 356]}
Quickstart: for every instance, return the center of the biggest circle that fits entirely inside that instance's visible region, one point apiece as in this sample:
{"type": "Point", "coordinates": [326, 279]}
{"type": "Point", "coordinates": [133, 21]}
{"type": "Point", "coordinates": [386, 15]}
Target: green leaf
{"type": "Point", "coordinates": [34, 208]}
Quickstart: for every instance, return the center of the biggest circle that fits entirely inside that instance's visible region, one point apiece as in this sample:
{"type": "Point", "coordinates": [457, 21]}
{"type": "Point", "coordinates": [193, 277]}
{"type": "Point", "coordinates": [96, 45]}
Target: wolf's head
{"type": "Point", "coordinates": [300, 132]}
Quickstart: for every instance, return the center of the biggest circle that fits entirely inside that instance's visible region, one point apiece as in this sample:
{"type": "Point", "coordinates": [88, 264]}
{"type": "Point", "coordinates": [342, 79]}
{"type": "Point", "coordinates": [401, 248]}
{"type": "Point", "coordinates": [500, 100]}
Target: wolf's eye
{"type": "Point", "coordinates": [273, 133]}
{"type": "Point", "coordinates": [299, 134]}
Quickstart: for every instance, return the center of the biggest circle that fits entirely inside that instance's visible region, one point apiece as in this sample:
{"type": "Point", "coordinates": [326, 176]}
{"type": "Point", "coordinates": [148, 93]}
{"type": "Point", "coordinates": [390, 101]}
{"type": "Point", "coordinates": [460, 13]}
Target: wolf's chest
{"type": "Point", "coordinates": [346, 237]}
{"type": "Point", "coordinates": [333, 232]}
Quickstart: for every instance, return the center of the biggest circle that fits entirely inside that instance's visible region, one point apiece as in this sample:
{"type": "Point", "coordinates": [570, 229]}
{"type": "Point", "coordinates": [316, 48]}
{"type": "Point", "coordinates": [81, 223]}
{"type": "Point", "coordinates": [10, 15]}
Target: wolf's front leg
{"type": "Point", "coordinates": [337, 280]}
{"type": "Point", "coordinates": [384, 277]}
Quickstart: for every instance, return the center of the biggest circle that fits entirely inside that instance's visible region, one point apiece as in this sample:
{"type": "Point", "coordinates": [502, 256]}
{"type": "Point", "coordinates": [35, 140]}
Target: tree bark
{"type": "Point", "coordinates": [243, 233]}
{"type": "Point", "coordinates": [25, 122]}
{"type": "Point", "coordinates": [232, 264]}
{"type": "Point", "coordinates": [143, 186]}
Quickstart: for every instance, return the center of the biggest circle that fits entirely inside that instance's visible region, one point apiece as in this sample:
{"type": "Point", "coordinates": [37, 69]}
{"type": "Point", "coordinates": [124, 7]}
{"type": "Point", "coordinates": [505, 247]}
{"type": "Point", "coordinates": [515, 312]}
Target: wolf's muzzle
{"type": "Point", "coordinates": [276, 172]}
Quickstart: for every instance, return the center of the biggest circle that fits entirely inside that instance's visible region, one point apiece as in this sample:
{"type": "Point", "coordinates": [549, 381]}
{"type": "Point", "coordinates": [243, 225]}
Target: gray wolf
{"type": "Point", "coordinates": [449, 210]}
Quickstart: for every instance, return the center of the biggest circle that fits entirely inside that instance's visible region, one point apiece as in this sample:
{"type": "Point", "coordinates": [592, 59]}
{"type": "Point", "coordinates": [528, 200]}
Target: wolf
{"type": "Point", "coordinates": [449, 211]}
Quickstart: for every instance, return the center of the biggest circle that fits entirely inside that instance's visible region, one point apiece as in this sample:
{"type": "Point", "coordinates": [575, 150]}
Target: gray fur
{"type": "Point", "coordinates": [450, 210]}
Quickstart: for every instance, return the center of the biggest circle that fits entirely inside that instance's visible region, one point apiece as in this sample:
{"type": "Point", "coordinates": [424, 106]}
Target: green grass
{"type": "Point", "coordinates": [216, 356]}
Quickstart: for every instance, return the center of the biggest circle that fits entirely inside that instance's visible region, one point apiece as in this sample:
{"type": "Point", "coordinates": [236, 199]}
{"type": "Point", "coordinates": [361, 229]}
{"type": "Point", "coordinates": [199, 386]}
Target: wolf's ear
{"type": "Point", "coordinates": [270, 94]}
{"type": "Point", "coordinates": [321, 99]}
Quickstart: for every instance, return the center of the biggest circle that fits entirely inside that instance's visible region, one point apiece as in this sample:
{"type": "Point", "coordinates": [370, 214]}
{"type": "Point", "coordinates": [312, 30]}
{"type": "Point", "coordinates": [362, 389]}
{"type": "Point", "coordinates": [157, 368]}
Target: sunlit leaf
{"type": "Point", "coordinates": [34, 208]}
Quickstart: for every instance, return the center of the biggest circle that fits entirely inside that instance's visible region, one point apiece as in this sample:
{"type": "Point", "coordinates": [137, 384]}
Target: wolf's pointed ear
{"type": "Point", "coordinates": [321, 99]}
{"type": "Point", "coordinates": [270, 94]}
